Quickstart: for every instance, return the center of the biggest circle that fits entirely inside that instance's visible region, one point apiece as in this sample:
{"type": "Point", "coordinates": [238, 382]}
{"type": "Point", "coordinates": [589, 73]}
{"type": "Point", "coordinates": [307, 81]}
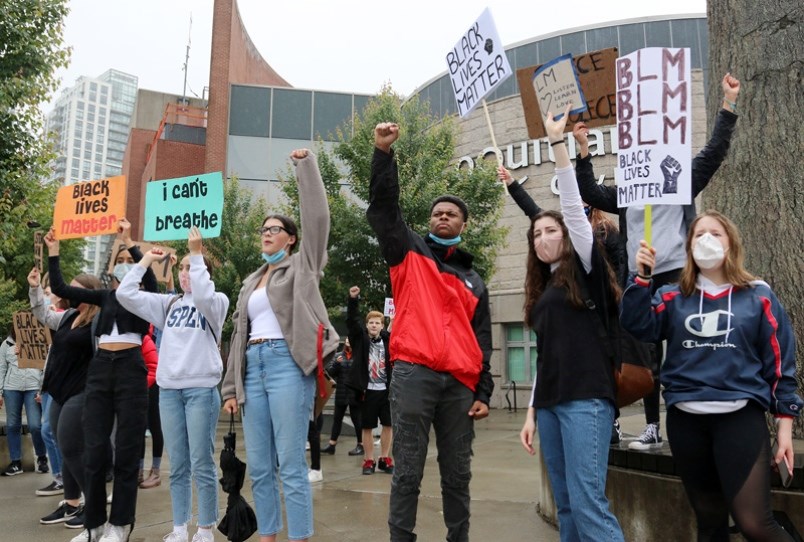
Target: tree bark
{"type": "Point", "coordinates": [761, 184]}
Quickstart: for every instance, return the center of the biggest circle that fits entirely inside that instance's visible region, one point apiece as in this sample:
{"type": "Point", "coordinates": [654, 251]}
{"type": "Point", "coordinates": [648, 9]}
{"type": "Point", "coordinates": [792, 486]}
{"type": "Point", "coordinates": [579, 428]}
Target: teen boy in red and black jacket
{"type": "Point", "coordinates": [440, 346]}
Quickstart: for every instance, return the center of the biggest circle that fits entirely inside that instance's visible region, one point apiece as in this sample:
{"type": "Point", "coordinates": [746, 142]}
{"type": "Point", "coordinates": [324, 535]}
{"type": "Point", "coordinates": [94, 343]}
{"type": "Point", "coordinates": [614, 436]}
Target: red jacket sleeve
{"type": "Point", "coordinates": [150, 356]}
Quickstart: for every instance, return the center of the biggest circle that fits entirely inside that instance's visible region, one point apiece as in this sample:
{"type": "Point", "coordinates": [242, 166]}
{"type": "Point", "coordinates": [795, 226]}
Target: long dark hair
{"type": "Point", "coordinates": [290, 228]}
{"type": "Point", "coordinates": [538, 274]}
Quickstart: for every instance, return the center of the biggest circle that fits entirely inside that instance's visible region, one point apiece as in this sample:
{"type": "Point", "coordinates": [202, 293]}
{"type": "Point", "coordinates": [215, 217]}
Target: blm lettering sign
{"type": "Point", "coordinates": [389, 309]}
{"type": "Point", "coordinates": [38, 247]}
{"type": "Point", "coordinates": [595, 71]}
{"type": "Point", "coordinates": [162, 268]}
{"type": "Point", "coordinates": [477, 64]}
{"type": "Point", "coordinates": [33, 338]}
{"type": "Point", "coordinates": [90, 208]}
{"type": "Point", "coordinates": [654, 127]}
{"type": "Point", "coordinates": [173, 206]}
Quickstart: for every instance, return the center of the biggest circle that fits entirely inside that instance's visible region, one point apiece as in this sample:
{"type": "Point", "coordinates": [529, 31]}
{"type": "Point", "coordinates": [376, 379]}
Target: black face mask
{"type": "Point", "coordinates": [74, 304]}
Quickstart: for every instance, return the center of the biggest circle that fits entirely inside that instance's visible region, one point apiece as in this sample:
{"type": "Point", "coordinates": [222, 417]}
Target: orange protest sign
{"type": "Point", "coordinates": [90, 208]}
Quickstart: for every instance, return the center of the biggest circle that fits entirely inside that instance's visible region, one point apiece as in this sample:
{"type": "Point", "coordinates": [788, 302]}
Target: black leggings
{"type": "Point", "coordinates": [337, 421]}
{"type": "Point", "coordinates": [314, 438]}
{"type": "Point", "coordinates": [69, 431]}
{"type": "Point", "coordinates": [724, 463]}
{"type": "Point", "coordinates": [154, 424]}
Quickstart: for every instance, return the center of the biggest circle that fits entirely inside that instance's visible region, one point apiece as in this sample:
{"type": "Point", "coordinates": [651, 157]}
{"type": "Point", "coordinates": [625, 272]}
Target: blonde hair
{"type": "Point", "coordinates": [733, 264]}
{"type": "Point", "coordinates": [375, 314]}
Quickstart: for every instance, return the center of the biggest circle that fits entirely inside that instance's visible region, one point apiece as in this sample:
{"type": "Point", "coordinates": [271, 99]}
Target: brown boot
{"type": "Point", "coordinates": [152, 480]}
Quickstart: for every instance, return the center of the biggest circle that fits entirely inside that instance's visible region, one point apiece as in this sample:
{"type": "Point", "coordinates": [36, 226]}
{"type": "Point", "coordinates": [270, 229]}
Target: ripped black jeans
{"type": "Point", "coordinates": [420, 398]}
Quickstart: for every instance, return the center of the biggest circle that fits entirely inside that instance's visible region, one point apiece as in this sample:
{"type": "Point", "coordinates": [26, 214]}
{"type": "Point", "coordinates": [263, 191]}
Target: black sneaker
{"type": "Point", "coordinates": [369, 466]}
{"type": "Point", "coordinates": [13, 469]}
{"type": "Point", "coordinates": [616, 433]}
{"type": "Point", "coordinates": [77, 521]}
{"type": "Point", "coordinates": [41, 465]}
{"type": "Point", "coordinates": [330, 449]}
{"type": "Point", "coordinates": [55, 488]}
{"type": "Point", "coordinates": [386, 464]}
{"type": "Point", "coordinates": [61, 514]}
{"type": "Point", "coordinates": [358, 450]}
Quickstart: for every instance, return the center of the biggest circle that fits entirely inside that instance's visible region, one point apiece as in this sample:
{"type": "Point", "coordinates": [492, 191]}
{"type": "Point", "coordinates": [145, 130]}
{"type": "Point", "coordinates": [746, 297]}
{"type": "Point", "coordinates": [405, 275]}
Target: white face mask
{"type": "Point", "coordinates": [708, 252]}
{"type": "Point", "coordinates": [548, 247]}
{"type": "Point", "coordinates": [121, 269]}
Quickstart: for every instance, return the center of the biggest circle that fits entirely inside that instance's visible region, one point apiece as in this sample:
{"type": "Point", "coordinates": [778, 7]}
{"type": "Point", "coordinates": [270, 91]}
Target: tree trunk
{"type": "Point", "coordinates": [761, 184]}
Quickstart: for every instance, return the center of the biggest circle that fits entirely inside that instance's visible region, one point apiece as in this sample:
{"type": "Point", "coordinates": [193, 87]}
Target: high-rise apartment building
{"type": "Point", "coordinates": [91, 121]}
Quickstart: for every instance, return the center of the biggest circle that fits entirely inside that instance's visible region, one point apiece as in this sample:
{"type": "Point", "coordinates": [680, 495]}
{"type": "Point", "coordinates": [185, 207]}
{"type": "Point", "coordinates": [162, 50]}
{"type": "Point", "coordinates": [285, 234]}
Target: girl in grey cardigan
{"type": "Point", "coordinates": [281, 333]}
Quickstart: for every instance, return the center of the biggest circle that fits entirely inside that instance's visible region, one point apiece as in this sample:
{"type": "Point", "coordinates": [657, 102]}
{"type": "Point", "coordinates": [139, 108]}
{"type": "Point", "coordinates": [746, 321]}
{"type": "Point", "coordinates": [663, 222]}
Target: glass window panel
{"type": "Point", "coordinates": [657, 34]}
{"type": "Point", "coordinates": [703, 37]}
{"type": "Point", "coordinates": [292, 111]}
{"type": "Point", "coordinates": [685, 34]}
{"type": "Point", "coordinates": [516, 364]}
{"type": "Point", "coordinates": [526, 55]}
{"type": "Point", "coordinates": [331, 111]}
{"type": "Point", "coordinates": [249, 111]}
{"type": "Point", "coordinates": [532, 336]}
{"type": "Point", "coordinates": [360, 104]}
{"type": "Point", "coordinates": [447, 103]}
{"type": "Point", "coordinates": [574, 43]}
{"type": "Point", "coordinates": [515, 333]}
{"type": "Point", "coordinates": [549, 49]}
{"type": "Point", "coordinates": [601, 38]}
{"type": "Point", "coordinates": [632, 37]}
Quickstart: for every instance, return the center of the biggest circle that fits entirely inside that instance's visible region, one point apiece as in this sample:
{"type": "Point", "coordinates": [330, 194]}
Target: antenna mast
{"type": "Point", "coordinates": [186, 61]}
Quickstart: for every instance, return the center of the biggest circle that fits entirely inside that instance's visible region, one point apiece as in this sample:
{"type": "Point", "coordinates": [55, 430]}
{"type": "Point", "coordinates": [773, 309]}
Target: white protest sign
{"type": "Point", "coordinates": [389, 310]}
{"type": "Point", "coordinates": [556, 84]}
{"type": "Point", "coordinates": [654, 127]}
{"type": "Point", "coordinates": [477, 64]}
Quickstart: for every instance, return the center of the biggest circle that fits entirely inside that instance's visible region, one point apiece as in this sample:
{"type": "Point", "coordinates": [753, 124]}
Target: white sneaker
{"type": "Point", "coordinates": [650, 438]}
{"type": "Point", "coordinates": [203, 535]}
{"type": "Point", "coordinates": [116, 533]}
{"type": "Point", "coordinates": [177, 536]}
{"type": "Point", "coordinates": [84, 536]}
{"type": "Point", "coordinates": [315, 476]}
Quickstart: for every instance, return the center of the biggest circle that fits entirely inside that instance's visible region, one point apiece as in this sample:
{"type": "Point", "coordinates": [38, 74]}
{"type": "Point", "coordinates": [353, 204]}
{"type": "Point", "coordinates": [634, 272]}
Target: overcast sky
{"type": "Point", "coordinates": [343, 45]}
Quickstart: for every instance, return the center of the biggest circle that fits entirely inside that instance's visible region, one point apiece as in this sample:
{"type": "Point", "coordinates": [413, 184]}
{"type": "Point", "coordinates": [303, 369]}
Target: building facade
{"type": "Point", "coordinates": [91, 122]}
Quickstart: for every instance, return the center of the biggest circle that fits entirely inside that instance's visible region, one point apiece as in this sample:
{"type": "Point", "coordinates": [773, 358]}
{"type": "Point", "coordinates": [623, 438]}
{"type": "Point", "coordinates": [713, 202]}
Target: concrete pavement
{"type": "Point", "coordinates": [348, 505]}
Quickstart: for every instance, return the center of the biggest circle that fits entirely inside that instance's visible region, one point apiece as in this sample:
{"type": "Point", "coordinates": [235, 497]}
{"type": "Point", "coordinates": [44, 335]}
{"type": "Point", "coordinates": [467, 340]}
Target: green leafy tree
{"type": "Point", "coordinates": [31, 49]}
{"type": "Point", "coordinates": [424, 151]}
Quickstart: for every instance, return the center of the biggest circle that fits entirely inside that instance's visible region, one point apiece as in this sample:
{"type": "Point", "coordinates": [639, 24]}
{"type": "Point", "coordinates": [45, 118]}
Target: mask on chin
{"type": "Point", "coordinates": [708, 252]}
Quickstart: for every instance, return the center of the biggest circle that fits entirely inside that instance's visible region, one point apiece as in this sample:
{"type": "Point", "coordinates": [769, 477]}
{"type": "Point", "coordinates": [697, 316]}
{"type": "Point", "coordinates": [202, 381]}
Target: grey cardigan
{"type": "Point", "coordinates": [292, 289]}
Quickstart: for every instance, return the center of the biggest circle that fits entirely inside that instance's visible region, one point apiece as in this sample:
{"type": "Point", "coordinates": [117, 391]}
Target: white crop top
{"type": "Point", "coordinates": [115, 337]}
{"type": "Point", "coordinates": [264, 324]}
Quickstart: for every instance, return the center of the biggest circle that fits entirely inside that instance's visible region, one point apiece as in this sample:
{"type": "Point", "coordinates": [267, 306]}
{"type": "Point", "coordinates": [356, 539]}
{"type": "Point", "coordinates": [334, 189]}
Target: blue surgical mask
{"type": "Point", "coordinates": [274, 258]}
{"type": "Point", "coordinates": [445, 242]}
{"type": "Point", "coordinates": [121, 269]}
{"type": "Point", "coordinates": [47, 302]}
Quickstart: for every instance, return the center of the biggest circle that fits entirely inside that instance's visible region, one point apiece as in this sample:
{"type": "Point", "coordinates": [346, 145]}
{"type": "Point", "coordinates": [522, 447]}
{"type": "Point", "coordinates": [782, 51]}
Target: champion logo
{"type": "Point", "coordinates": [708, 324]}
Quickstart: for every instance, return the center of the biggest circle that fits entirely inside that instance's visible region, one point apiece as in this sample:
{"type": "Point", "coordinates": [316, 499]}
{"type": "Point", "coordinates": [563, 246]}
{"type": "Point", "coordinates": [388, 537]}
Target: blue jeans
{"type": "Point", "coordinates": [50, 439]}
{"type": "Point", "coordinates": [33, 413]}
{"type": "Point", "coordinates": [574, 439]}
{"type": "Point", "coordinates": [189, 420]}
{"type": "Point", "coordinates": [279, 403]}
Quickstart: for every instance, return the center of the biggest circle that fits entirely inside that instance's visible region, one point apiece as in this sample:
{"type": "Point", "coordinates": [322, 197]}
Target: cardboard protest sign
{"type": "Point", "coordinates": [595, 72]}
{"type": "Point", "coordinates": [33, 338]}
{"type": "Point", "coordinates": [654, 127]}
{"type": "Point", "coordinates": [477, 63]}
{"type": "Point", "coordinates": [173, 206]}
{"type": "Point", "coordinates": [162, 268]}
{"type": "Point", "coordinates": [389, 310]}
{"type": "Point", "coordinates": [90, 208]}
{"type": "Point", "coordinates": [556, 84]}
{"type": "Point", "coordinates": [38, 246]}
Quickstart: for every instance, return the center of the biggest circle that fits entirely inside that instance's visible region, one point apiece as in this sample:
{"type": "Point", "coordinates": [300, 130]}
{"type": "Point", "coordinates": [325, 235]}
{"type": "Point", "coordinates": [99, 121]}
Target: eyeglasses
{"type": "Point", "coordinates": [273, 230]}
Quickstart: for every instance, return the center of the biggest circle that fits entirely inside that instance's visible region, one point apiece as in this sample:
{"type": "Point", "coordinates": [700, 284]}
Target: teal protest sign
{"type": "Point", "coordinates": [173, 206]}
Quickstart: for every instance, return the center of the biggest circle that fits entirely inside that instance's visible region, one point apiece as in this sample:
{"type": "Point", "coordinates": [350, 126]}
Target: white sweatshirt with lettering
{"type": "Point", "coordinates": [191, 326]}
